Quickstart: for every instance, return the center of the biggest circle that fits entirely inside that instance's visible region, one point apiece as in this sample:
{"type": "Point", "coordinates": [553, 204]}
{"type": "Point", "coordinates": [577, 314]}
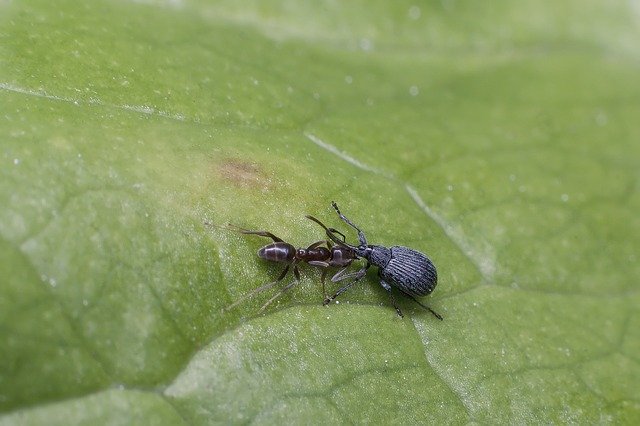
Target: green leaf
{"type": "Point", "coordinates": [501, 139]}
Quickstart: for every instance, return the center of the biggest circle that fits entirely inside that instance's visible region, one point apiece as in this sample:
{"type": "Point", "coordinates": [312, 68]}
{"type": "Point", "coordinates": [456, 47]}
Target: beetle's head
{"type": "Point", "coordinates": [363, 251]}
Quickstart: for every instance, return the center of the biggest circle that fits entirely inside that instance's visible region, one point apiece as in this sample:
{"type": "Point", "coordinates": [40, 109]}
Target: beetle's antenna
{"type": "Point", "coordinates": [361, 237]}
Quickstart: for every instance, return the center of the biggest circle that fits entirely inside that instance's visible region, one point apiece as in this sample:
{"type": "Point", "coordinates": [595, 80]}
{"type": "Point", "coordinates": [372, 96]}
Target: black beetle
{"type": "Point", "coordinates": [406, 269]}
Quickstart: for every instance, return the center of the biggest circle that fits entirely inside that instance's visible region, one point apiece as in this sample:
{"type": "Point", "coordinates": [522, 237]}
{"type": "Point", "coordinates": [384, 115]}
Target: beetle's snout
{"type": "Point", "coordinates": [363, 251]}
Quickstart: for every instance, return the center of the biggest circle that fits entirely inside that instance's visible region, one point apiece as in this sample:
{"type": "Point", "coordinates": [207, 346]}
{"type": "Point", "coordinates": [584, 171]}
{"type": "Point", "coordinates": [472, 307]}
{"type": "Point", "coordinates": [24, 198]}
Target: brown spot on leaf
{"type": "Point", "coordinates": [243, 174]}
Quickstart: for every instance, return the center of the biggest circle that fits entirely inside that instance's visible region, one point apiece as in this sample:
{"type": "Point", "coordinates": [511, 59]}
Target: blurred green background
{"type": "Point", "coordinates": [500, 138]}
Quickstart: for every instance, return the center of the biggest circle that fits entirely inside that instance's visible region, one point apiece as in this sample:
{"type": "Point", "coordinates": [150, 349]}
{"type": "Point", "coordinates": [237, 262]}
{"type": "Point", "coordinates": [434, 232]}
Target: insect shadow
{"type": "Point", "coordinates": [322, 254]}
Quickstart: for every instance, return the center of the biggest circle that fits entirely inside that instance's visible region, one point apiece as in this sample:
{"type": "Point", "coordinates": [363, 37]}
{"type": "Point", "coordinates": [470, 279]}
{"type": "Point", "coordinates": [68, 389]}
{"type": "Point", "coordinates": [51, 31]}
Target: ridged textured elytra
{"type": "Point", "coordinates": [410, 271]}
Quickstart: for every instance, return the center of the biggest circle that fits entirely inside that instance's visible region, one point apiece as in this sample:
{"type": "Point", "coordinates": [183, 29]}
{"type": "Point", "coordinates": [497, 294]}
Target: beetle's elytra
{"type": "Point", "coordinates": [411, 271]}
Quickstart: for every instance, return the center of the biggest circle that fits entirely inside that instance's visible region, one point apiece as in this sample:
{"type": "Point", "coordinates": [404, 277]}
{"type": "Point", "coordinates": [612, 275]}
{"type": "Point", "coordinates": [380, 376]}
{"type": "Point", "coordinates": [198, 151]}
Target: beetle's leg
{"type": "Point", "coordinates": [339, 292]}
{"type": "Point", "coordinates": [437, 315]}
{"type": "Point", "coordinates": [361, 237]}
{"type": "Point", "coordinates": [296, 273]}
{"type": "Point", "coordinates": [260, 289]}
{"type": "Point", "coordinates": [260, 233]}
{"type": "Point", "coordinates": [393, 300]}
{"type": "Point", "coordinates": [357, 276]}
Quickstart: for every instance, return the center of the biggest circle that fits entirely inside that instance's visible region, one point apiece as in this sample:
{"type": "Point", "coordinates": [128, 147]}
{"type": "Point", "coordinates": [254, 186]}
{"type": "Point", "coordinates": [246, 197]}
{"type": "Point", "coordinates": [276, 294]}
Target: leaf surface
{"type": "Point", "coordinates": [499, 139]}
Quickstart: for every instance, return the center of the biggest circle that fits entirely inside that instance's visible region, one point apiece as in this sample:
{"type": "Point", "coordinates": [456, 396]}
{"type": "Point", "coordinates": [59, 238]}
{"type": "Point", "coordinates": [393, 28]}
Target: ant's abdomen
{"type": "Point", "coordinates": [277, 252]}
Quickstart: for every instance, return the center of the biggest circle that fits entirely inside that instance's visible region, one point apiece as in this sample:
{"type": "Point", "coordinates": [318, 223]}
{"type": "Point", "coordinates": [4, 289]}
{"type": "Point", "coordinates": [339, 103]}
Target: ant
{"type": "Point", "coordinates": [331, 256]}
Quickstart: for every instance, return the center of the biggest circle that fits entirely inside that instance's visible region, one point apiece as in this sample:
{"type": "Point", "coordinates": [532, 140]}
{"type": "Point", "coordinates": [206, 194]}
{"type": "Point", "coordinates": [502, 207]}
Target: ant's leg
{"type": "Point", "coordinates": [259, 289]}
{"type": "Point", "coordinates": [437, 315]}
{"type": "Point", "coordinates": [278, 294]}
{"type": "Point", "coordinates": [357, 276]}
{"type": "Point", "coordinates": [338, 275]}
{"type": "Point", "coordinates": [361, 237]}
{"type": "Point", "coordinates": [324, 266]}
{"type": "Point", "coordinates": [341, 276]}
{"type": "Point", "coordinates": [324, 290]}
{"type": "Point", "coordinates": [260, 233]}
{"type": "Point", "coordinates": [335, 278]}
{"type": "Point", "coordinates": [296, 273]}
{"type": "Point", "coordinates": [393, 300]}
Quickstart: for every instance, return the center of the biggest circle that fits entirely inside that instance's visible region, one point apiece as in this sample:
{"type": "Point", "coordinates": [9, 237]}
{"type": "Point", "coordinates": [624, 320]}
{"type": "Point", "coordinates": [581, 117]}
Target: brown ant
{"type": "Point", "coordinates": [331, 256]}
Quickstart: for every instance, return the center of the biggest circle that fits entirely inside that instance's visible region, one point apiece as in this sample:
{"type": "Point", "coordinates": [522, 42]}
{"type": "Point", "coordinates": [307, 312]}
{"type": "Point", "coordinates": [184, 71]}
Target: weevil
{"type": "Point", "coordinates": [406, 269]}
{"type": "Point", "coordinates": [331, 256]}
